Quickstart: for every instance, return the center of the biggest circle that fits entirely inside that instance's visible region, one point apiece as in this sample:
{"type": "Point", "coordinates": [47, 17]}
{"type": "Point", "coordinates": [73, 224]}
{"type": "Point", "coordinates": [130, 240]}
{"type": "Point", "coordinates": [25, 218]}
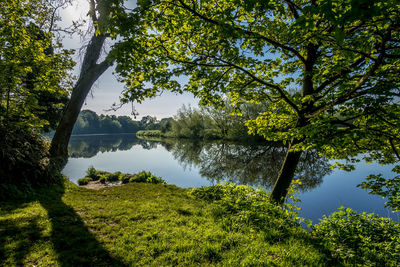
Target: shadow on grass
{"type": "Point", "coordinates": [22, 234]}
{"type": "Point", "coordinates": [72, 241]}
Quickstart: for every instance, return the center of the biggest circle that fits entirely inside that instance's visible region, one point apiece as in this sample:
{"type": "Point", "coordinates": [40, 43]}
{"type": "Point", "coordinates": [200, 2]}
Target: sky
{"type": "Point", "coordinates": [107, 89]}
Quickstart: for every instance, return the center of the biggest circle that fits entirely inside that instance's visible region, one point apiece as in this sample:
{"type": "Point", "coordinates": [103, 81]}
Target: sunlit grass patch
{"type": "Point", "coordinates": [141, 224]}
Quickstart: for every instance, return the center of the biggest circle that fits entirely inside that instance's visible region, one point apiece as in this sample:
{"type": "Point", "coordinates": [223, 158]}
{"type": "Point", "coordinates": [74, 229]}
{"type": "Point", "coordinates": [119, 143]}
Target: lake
{"type": "Point", "coordinates": [188, 163]}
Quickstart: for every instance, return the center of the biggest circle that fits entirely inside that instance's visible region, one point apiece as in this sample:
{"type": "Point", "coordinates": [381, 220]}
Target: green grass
{"type": "Point", "coordinates": [137, 224]}
{"type": "Point", "coordinates": [142, 224]}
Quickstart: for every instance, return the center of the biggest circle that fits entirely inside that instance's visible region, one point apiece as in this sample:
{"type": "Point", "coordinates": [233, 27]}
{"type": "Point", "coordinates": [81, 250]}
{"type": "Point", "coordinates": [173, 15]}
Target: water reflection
{"type": "Point", "coordinates": [87, 146]}
{"type": "Point", "coordinates": [253, 164]}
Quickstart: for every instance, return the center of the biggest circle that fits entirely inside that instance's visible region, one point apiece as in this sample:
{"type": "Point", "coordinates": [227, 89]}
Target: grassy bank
{"type": "Point", "coordinates": [136, 224]}
{"type": "Point", "coordinates": [140, 224]}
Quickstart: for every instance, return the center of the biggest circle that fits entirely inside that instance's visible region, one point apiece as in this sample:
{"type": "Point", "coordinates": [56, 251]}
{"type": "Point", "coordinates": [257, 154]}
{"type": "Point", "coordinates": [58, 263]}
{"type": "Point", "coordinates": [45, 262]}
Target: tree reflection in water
{"type": "Point", "coordinates": [87, 146]}
{"type": "Point", "coordinates": [252, 164]}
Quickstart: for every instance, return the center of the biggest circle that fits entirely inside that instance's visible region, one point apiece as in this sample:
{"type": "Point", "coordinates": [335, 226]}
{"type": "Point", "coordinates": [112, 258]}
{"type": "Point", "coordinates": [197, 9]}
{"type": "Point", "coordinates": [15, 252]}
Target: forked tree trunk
{"type": "Point", "coordinates": [286, 174]}
{"type": "Point", "coordinates": [90, 72]}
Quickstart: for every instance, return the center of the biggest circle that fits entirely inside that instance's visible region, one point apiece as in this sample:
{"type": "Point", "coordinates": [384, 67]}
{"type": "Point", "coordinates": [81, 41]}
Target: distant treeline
{"type": "Point", "coordinates": [193, 123]}
{"type": "Point", "coordinates": [209, 123]}
{"type": "Point", "coordinates": [89, 122]}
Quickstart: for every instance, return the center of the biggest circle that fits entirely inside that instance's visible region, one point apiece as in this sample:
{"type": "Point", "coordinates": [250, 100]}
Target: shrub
{"type": "Point", "coordinates": [124, 178]}
{"type": "Point", "coordinates": [92, 173]}
{"type": "Point", "coordinates": [240, 206]}
{"type": "Point", "coordinates": [103, 179]}
{"type": "Point", "coordinates": [155, 180]}
{"type": "Point", "coordinates": [24, 160]}
{"type": "Point", "coordinates": [84, 181]}
{"type": "Point", "coordinates": [112, 177]}
{"type": "Point", "coordinates": [106, 177]}
{"type": "Point", "coordinates": [360, 239]}
{"type": "Point", "coordinates": [141, 177]}
{"type": "Point", "coordinates": [146, 177]}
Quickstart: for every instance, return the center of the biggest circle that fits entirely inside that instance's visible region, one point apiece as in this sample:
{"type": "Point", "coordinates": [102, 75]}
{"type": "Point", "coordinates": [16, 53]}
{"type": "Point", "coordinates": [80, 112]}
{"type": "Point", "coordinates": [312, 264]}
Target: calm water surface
{"type": "Point", "coordinates": [193, 164]}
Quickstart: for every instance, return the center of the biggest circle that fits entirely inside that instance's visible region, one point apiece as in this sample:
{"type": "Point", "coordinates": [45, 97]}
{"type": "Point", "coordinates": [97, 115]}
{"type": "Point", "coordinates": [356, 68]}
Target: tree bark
{"type": "Point", "coordinates": [286, 174]}
{"type": "Point", "coordinates": [90, 72]}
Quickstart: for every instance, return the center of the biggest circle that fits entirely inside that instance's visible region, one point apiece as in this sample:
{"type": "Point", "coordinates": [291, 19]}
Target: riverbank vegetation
{"type": "Point", "coordinates": [208, 123]}
{"type": "Point", "coordinates": [158, 224]}
{"type": "Point", "coordinates": [106, 177]}
{"type": "Point", "coordinates": [211, 123]}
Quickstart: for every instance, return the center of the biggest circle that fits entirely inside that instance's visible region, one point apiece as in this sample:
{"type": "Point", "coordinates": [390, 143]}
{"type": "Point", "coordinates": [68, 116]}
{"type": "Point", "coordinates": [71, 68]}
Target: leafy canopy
{"type": "Point", "coordinates": [34, 81]}
{"type": "Point", "coordinates": [328, 69]}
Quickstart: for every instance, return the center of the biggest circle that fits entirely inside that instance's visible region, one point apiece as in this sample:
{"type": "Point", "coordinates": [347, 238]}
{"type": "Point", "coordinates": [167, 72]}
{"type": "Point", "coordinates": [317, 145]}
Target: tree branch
{"type": "Point", "coordinates": [274, 86]}
{"type": "Point", "coordinates": [334, 78]}
{"type": "Point", "coordinates": [247, 32]}
{"type": "Point", "coordinates": [394, 148]}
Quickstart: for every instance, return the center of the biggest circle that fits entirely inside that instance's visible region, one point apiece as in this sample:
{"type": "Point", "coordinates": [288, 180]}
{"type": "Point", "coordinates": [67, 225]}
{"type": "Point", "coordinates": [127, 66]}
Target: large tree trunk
{"type": "Point", "coordinates": [285, 176]}
{"type": "Point", "coordinates": [90, 72]}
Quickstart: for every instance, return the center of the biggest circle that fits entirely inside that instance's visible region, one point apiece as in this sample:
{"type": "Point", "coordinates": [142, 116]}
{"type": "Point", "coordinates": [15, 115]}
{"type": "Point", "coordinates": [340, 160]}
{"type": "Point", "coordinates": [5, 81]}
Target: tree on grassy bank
{"type": "Point", "coordinates": [329, 70]}
{"type": "Point", "coordinates": [107, 19]}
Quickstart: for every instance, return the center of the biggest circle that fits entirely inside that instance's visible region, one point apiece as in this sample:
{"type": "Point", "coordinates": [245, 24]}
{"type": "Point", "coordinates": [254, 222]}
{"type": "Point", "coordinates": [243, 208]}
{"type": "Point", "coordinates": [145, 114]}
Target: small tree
{"type": "Point", "coordinates": [328, 68]}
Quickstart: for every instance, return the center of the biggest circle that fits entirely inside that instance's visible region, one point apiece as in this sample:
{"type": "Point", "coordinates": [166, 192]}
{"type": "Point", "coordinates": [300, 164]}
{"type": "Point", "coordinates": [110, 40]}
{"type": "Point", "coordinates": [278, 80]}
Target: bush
{"type": "Point", "coordinates": [146, 177]}
{"type": "Point", "coordinates": [124, 178]}
{"type": "Point", "coordinates": [241, 206]}
{"type": "Point", "coordinates": [155, 180]}
{"type": "Point", "coordinates": [141, 177]}
{"type": "Point", "coordinates": [103, 179]}
{"type": "Point", "coordinates": [106, 177]}
{"type": "Point", "coordinates": [112, 177]}
{"type": "Point", "coordinates": [84, 181]}
{"type": "Point", "coordinates": [360, 239]}
{"type": "Point", "coordinates": [92, 173]}
{"type": "Point", "coordinates": [24, 160]}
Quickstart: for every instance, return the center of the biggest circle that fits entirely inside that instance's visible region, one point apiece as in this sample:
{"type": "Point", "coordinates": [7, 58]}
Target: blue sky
{"type": "Point", "coordinates": [107, 90]}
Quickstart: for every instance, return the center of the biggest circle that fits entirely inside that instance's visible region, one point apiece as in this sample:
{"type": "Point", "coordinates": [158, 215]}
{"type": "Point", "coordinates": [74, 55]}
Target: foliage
{"type": "Point", "coordinates": [23, 160]}
{"type": "Point", "coordinates": [387, 188]}
{"type": "Point", "coordinates": [85, 181]}
{"type": "Point", "coordinates": [360, 239]}
{"type": "Point", "coordinates": [34, 82]}
{"type": "Point", "coordinates": [247, 206]}
{"type": "Point", "coordinates": [146, 177]}
{"type": "Point", "coordinates": [88, 122]}
{"type": "Point", "coordinates": [211, 123]}
{"type": "Point", "coordinates": [106, 177]}
{"type": "Point", "coordinates": [149, 133]}
{"type": "Point", "coordinates": [34, 87]}
{"type": "Point", "coordinates": [329, 70]}
{"type": "Point", "coordinates": [328, 92]}
{"type": "Point", "coordinates": [92, 173]}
